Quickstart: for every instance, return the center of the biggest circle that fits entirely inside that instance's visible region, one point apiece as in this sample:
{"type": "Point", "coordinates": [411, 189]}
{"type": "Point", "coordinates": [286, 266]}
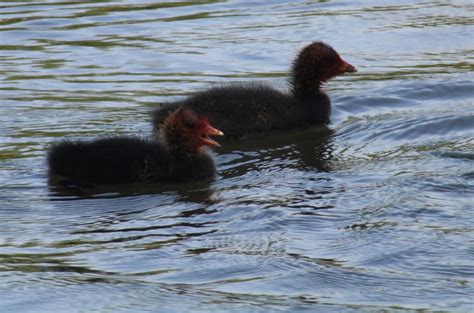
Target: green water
{"type": "Point", "coordinates": [376, 215]}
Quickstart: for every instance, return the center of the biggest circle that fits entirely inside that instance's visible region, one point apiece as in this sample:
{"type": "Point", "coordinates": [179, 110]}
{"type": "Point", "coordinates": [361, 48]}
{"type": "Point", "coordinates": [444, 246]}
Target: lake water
{"type": "Point", "coordinates": [375, 215]}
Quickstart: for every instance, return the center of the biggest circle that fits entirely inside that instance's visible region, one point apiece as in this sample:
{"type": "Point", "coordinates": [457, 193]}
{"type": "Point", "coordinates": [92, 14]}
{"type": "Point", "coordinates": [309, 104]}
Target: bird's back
{"type": "Point", "coordinates": [239, 110]}
{"type": "Point", "coordinates": [118, 160]}
{"type": "Point", "coordinates": [106, 160]}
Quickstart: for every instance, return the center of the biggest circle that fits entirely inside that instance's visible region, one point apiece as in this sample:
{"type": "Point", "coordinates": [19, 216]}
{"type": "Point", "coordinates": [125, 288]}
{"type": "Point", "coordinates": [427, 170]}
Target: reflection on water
{"type": "Point", "coordinates": [299, 149]}
{"type": "Point", "coordinates": [373, 213]}
{"type": "Point", "coordinates": [195, 191]}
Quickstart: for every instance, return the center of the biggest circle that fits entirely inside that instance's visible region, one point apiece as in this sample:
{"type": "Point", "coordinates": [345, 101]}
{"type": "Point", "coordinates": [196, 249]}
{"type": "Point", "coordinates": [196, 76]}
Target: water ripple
{"type": "Point", "coordinates": [373, 213]}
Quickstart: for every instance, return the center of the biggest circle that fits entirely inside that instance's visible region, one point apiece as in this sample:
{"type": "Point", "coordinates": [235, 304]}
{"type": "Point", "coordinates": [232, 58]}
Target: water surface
{"type": "Point", "coordinates": [375, 214]}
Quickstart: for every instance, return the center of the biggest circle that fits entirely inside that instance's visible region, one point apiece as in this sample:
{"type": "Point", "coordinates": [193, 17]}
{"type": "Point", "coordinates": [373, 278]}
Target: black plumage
{"type": "Point", "coordinates": [125, 160]}
{"type": "Point", "coordinates": [244, 109]}
{"type": "Point", "coordinates": [178, 155]}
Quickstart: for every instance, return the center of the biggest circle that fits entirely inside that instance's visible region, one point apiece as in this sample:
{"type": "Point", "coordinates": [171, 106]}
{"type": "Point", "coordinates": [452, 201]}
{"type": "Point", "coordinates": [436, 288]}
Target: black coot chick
{"type": "Point", "coordinates": [240, 110]}
{"type": "Point", "coordinates": [178, 155]}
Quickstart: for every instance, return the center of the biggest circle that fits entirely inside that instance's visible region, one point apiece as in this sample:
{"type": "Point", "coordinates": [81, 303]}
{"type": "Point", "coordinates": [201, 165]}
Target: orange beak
{"type": "Point", "coordinates": [346, 68]}
{"type": "Point", "coordinates": [207, 131]}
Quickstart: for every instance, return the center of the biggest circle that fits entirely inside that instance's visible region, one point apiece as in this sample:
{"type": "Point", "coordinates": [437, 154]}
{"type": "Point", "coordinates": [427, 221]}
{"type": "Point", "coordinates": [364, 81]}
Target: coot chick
{"type": "Point", "coordinates": [178, 155]}
{"type": "Point", "coordinates": [240, 110]}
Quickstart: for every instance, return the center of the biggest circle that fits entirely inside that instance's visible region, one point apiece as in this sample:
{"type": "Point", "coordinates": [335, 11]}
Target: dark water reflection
{"type": "Point", "coordinates": [373, 214]}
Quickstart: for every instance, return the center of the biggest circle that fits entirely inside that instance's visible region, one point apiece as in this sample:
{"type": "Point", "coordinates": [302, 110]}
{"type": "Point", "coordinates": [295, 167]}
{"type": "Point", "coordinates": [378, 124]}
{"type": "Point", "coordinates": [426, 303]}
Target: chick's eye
{"type": "Point", "coordinates": [189, 119]}
{"type": "Point", "coordinates": [190, 124]}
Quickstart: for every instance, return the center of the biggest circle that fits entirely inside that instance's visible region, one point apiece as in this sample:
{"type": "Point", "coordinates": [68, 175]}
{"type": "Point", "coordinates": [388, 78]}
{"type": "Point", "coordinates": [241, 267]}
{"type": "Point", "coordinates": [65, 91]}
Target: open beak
{"type": "Point", "coordinates": [346, 68]}
{"type": "Point", "coordinates": [210, 131]}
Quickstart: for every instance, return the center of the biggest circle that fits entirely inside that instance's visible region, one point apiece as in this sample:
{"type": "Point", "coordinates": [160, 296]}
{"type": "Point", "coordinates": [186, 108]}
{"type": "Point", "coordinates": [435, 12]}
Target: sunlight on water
{"type": "Point", "coordinates": [373, 214]}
